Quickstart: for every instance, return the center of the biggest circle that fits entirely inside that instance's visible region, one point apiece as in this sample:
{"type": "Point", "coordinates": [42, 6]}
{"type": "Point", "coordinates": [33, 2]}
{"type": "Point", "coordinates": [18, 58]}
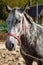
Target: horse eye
{"type": "Point", "coordinates": [19, 21]}
{"type": "Point", "coordinates": [16, 20]}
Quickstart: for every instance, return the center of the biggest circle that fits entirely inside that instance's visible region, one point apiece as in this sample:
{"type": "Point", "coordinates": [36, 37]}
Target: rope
{"type": "Point", "coordinates": [30, 55]}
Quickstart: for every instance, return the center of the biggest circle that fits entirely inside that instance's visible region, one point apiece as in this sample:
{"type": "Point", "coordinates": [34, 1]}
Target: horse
{"type": "Point", "coordinates": [22, 30]}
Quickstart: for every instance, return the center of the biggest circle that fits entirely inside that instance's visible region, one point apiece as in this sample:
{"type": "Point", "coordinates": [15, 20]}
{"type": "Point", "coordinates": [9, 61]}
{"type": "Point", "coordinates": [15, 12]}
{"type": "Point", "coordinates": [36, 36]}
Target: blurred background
{"type": "Point", "coordinates": [36, 12]}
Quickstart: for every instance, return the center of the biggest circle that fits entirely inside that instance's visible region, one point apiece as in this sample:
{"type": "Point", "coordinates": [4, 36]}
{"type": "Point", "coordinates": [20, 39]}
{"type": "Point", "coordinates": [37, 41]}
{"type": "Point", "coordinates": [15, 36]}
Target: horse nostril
{"type": "Point", "coordinates": [12, 45]}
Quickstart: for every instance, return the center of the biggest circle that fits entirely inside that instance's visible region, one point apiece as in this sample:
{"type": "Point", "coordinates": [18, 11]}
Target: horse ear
{"type": "Point", "coordinates": [8, 8]}
{"type": "Point", "coordinates": [24, 8]}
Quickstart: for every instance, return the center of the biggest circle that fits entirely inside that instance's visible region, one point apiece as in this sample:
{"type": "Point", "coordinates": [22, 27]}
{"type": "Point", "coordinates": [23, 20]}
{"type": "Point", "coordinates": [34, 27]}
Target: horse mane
{"type": "Point", "coordinates": [27, 18]}
{"type": "Point", "coordinates": [30, 20]}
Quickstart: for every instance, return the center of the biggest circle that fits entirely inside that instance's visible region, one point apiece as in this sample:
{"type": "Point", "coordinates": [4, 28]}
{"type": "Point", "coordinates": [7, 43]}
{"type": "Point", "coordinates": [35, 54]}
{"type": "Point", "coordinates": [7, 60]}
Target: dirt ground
{"type": "Point", "coordinates": [10, 57]}
{"type": "Point", "coordinates": [3, 36]}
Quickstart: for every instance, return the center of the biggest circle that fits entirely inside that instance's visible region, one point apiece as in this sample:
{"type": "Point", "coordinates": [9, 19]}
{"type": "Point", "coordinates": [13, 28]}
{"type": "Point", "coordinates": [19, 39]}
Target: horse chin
{"type": "Point", "coordinates": [10, 49]}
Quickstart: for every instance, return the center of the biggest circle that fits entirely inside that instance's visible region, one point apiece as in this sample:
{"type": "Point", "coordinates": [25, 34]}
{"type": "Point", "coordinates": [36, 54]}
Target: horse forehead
{"type": "Point", "coordinates": [17, 12]}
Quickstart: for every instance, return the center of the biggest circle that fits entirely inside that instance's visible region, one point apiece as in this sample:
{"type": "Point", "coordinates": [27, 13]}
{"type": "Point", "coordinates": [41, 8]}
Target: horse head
{"type": "Point", "coordinates": [15, 22]}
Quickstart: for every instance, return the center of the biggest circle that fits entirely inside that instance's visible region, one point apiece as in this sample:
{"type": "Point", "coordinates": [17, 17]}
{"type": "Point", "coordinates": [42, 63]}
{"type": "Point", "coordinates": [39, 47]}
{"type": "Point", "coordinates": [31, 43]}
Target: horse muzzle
{"type": "Point", "coordinates": [9, 46]}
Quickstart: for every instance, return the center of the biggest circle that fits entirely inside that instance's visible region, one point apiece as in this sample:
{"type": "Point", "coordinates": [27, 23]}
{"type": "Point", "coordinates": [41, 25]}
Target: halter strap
{"type": "Point", "coordinates": [22, 31]}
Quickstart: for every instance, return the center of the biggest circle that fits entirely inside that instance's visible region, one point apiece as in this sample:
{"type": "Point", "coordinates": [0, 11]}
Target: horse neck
{"type": "Point", "coordinates": [29, 23]}
{"type": "Point", "coordinates": [26, 36]}
{"type": "Point", "coordinates": [27, 26]}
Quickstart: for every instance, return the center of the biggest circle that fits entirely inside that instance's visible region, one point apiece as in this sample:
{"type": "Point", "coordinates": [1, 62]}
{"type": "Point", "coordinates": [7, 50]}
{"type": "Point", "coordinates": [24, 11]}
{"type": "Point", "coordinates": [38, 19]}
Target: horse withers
{"type": "Point", "coordinates": [29, 35]}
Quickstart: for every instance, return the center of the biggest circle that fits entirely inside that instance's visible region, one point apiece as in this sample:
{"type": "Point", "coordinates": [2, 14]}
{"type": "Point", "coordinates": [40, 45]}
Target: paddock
{"type": "Point", "coordinates": [11, 57]}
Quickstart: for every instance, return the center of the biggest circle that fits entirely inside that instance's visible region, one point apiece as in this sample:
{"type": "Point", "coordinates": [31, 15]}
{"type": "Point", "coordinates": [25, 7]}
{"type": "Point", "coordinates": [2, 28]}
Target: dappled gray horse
{"type": "Point", "coordinates": [22, 30]}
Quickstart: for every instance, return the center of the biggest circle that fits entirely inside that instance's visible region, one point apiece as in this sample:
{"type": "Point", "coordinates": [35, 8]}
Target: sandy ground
{"type": "Point", "coordinates": [11, 57]}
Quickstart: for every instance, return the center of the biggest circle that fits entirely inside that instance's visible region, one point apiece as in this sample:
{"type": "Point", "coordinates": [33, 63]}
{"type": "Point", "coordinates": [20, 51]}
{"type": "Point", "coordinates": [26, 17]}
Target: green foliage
{"type": "Point", "coordinates": [3, 13]}
{"type": "Point", "coordinates": [13, 3]}
{"type": "Point", "coordinates": [3, 26]}
{"type": "Point", "coordinates": [39, 2]}
{"type": "Point", "coordinates": [18, 3]}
